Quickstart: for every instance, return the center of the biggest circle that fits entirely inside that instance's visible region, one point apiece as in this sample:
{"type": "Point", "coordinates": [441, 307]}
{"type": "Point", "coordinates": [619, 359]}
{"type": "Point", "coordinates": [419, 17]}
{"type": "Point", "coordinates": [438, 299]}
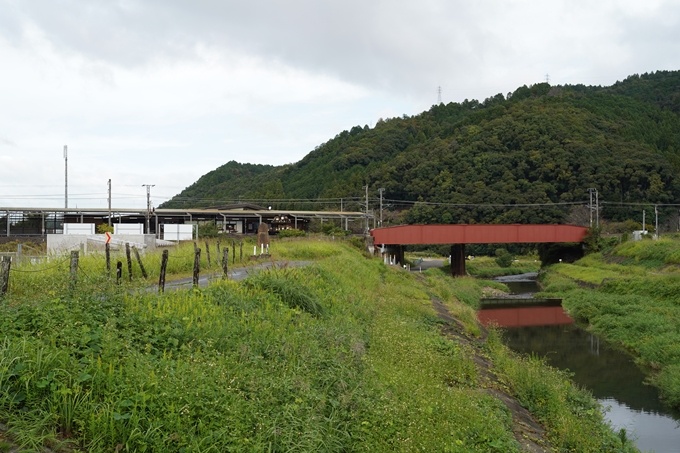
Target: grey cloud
{"type": "Point", "coordinates": [383, 44]}
{"type": "Point", "coordinates": [393, 45]}
{"type": "Point", "coordinates": [653, 41]}
{"type": "Point", "coordinates": [4, 141]}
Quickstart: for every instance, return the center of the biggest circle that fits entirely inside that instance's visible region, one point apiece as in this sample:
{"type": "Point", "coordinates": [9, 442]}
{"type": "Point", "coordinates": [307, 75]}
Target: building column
{"type": "Point", "coordinates": [458, 260]}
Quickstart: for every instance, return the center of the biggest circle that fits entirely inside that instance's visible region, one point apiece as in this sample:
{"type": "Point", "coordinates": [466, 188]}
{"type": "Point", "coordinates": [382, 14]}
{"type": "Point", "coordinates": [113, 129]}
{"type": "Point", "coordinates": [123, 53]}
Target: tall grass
{"type": "Point", "coordinates": [343, 355]}
{"type": "Point", "coordinates": [651, 253]}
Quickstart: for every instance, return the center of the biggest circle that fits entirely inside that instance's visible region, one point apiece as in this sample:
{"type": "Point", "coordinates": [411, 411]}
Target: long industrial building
{"type": "Point", "coordinates": [236, 219]}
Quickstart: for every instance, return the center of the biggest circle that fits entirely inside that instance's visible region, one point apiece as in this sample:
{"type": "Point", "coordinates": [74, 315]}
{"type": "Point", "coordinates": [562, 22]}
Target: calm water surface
{"type": "Point", "coordinates": [609, 374]}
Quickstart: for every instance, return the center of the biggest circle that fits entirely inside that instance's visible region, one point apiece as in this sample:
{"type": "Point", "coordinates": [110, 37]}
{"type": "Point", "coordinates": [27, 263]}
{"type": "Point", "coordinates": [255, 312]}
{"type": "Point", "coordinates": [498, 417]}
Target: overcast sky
{"type": "Point", "coordinates": [163, 91]}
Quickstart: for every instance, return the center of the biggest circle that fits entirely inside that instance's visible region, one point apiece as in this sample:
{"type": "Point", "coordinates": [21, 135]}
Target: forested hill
{"type": "Point", "coordinates": [539, 145]}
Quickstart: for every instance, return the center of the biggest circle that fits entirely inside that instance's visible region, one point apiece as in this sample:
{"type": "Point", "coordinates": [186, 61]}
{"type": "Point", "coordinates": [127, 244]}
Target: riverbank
{"type": "Point", "coordinates": [629, 295]}
{"type": "Point", "coordinates": [346, 354]}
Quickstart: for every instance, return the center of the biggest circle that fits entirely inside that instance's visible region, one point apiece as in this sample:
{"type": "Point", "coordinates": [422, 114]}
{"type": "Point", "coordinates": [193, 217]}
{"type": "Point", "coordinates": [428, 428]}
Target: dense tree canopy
{"type": "Point", "coordinates": [541, 144]}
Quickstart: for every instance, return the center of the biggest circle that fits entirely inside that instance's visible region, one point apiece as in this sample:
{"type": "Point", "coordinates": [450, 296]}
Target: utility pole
{"type": "Point", "coordinates": [590, 206]}
{"type": "Point", "coordinates": [656, 222]}
{"type": "Point", "coordinates": [65, 177]}
{"type": "Point", "coordinates": [366, 229]}
{"type": "Point", "coordinates": [148, 204]}
{"type": "Point", "coordinates": [381, 190]}
{"type": "Point", "coordinates": [643, 220]}
{"type": "Point", "coordinates": [109, 202]}
{"type": "Point", "coordinates": [597, 209]}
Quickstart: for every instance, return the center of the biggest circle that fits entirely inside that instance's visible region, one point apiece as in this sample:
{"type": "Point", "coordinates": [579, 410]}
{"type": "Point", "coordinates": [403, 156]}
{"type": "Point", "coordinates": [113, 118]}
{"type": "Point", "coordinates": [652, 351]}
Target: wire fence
{"type": "Point", "coordinates": [97, 267]}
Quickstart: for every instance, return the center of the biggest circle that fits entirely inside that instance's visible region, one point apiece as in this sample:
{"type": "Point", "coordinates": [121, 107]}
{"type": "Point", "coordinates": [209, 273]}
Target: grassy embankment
{"type": "Point", "coordinates": [635, 303]}
{"type": "Point", "coordinates": [343, 355]}
{"type": "Point", "coordinates": [486, 267]}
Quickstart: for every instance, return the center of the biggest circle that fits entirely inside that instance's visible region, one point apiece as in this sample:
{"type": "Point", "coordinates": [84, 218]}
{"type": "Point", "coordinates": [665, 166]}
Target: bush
{"type": "Point", "coordinates": [503, 258]}
{"type": "Point", "coordinates": [292, 233]}
{"type": "Point", "coordinates": [104, 228]}
{"type": "Point", "coordinates": [357, 242]}
{"type": "Point", "coordinates": [332, 230]}
{"type": "Point", "coordinates": [208, 230]}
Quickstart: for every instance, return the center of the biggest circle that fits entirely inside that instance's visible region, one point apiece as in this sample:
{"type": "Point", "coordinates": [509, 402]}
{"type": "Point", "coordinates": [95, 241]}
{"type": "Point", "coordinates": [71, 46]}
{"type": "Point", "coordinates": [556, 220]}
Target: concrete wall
{"type": "Point", "coordinates": [61, 243]}
{"type": "Point", "coordinates": [79, 228]}
{"type": "Point", "coordinates": [176, 232]}
{"type": "Point", "coordinates": [128, 228]}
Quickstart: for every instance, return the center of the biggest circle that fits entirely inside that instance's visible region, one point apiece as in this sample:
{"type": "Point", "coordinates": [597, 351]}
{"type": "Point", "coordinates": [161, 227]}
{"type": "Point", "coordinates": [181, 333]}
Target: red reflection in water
{"type": "Point", "coordinates": [524, 316]}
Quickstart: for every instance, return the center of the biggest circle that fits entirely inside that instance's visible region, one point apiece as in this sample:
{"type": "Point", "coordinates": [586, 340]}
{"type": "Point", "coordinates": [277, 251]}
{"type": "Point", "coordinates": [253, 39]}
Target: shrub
{"type": "Point", "coordinates": [104, 228]}
{"type": "Point", "coordinates": [208, 230]}
{"type": "Point", "coordinates": [291, 233]}
{"type": "Point", "coordinates": [357, 242]}
{"type": "Point", "coordinates": [503, 258]}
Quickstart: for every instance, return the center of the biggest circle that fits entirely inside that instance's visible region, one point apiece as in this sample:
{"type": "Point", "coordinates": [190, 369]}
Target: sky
{"type": "Point", "coordinates": [161, 92]}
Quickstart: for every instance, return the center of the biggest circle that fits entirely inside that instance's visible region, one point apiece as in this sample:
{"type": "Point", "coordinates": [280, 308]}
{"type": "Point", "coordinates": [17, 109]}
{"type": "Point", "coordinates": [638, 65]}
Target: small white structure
{"type": "Point", "coordinates": [637, 234]}
{"type": "Point", "coordinates": [79, 228]}
{"type": "Point", "coordinates": [61, 243]}
{"type": "Point", "coordinates": [128, 228]}
{"type": "Point", "coordinates": [175, 232]}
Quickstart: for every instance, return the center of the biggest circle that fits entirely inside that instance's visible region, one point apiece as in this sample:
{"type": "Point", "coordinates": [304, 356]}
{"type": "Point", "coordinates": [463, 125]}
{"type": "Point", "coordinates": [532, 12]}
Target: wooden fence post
{"type": "Point", "coordinates": [139, 261]}
{"type": "Point", "coordinates": [108, 259]}
{"type": "Point", "coordinates": [207, 252]}
{"type": "Point", "coordinates": [233, 254]}
{"type": "Point", "coordinates": [129, 260]}
{"type": "Point", "coordinates": [240, 258]}
{"type": "Point", "coordinates": [197, 266]}
{"type": "Point", "coordinates": [119, 272]}
{"type": "Point", "coordinates": [219, 253]}
{"type": "Point", "coordinates": [74, 268]}
{"type": "Point", "coordinates": [4, 274]}
{"type": "Point", "coordinates": [225, 263]}
{"type": "Point", "coordinates": [164, 266]}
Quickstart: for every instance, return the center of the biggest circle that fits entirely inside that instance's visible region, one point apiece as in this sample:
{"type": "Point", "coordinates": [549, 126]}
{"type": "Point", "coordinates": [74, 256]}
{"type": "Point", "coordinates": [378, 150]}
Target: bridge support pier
{"type": "Point", "coordinates": [397, 251]}
{"type": "Point", "coordinates": [458, 260]}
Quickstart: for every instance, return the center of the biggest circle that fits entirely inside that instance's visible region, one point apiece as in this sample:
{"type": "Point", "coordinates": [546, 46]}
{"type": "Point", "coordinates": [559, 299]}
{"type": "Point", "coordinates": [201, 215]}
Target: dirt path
{"type": "Point", "coordinates": [528, 432]}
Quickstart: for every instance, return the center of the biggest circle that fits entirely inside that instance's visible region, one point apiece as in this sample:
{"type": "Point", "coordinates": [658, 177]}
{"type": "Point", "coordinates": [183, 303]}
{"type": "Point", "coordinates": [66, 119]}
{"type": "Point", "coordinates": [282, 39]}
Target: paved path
{"type": "Point", "coordinates": [427, 263]}
{"type": "Point", "coordinates": [238, 273]}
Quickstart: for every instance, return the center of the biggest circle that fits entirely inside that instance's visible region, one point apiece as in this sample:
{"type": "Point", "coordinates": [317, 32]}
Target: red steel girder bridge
{"type": "Point", "coordinates": [459, 235]}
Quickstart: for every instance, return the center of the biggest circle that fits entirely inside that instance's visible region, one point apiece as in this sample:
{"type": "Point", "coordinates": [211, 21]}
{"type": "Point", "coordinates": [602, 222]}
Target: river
{"type": "Point", "coordinates": [611, 375]}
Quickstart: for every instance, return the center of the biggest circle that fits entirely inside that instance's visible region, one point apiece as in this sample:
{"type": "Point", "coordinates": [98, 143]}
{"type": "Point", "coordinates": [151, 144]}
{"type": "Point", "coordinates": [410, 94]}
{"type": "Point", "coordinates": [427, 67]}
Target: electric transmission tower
{"type": "Point", "coordinates": [439, 95]}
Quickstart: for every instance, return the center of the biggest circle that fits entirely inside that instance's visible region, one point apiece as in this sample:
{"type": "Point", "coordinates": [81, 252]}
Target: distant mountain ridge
{"type": "Point", "coordinates": [542, 144]}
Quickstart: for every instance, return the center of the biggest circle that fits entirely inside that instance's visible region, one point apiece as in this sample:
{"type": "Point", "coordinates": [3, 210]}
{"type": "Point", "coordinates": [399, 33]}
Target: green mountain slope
{"type": "Point", "coordinates": [541, 144]}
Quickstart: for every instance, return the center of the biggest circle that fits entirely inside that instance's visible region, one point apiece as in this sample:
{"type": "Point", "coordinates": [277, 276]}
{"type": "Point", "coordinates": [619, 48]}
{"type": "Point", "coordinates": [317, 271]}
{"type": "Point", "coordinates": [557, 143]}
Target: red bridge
{"type": "Point", "coordinates": [524, 316]}
{"type": "Point", "coordinates": [459, 235]}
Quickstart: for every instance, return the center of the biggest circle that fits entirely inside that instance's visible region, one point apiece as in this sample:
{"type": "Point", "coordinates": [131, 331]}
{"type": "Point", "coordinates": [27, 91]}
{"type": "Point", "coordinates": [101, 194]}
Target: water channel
{"type": "Point", "coordinates": [618, 384]}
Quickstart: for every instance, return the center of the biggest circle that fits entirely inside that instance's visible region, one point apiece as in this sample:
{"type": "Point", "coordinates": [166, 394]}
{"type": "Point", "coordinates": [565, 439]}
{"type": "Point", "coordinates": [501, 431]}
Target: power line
{"type": "Point", "coordinates": [467, 205]}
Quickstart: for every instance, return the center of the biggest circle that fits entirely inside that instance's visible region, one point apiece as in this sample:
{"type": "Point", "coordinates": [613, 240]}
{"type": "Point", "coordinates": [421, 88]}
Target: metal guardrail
{"type": "Point", "coordinates": [113, 241]}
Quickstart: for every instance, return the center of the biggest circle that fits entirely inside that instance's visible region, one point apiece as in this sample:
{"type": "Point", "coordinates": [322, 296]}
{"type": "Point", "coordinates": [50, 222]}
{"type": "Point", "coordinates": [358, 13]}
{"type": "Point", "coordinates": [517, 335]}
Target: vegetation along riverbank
{"type": "Point", "coordinates": [346, 354]}
{"type": "Point", "coordinates": [629, 295]}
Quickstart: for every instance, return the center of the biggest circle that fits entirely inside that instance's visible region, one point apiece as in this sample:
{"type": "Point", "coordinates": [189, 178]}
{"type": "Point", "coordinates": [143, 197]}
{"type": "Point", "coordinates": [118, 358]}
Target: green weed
{"type": "Point", "coordinates": [342, 355]}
